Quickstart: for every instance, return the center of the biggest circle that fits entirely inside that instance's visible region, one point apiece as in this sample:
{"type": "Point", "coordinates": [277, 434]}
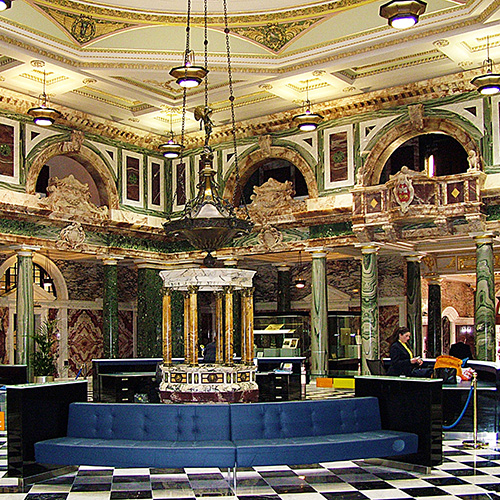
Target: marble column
{"type": "Point", "coordinates": [110, 308]}
{"type": "Point", "coordinates": [369, 307]}
{"type": "Point", "coordinates": [484, 314]}
{"type": "Point", "coordinates": [187, 343]}
{"type": "Point", "coordinates": [247, 316]}
{"type": "Point", "coordinates": [25, 308]}
{"type": "Point", "coordinates": [284, 288]}
{"type": "Point", "coordinates": [228, 334]}
{"type": "Point", "coordinates": [414, 302]}
{"type": "Point", "coordinates": [319, 316]}
{"type": "Point", "coordinates": [219, 327]}
{"type": "Point", "coordinates": [193, 323]}
{"type": "Point", "coordinates": [167, 326]}
{"type": "Point", "coordinates": [149, 307]}
{"type": "Point", "coordinates": [434, 320]}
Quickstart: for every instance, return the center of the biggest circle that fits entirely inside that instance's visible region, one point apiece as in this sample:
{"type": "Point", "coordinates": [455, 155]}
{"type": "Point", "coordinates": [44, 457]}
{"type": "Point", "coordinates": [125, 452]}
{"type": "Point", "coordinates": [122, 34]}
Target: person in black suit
{"type": "Point", "coordinates": [402, 360]}
{"type": "Point", "coordinates": [461, 350]}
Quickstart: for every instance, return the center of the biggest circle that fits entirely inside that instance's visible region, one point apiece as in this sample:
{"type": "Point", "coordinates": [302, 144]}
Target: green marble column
{"type": "Point", "coordinates": [434, 319]}
{"type": "Point", "coordinates": [319, 316]}
{"type": "Point", "coordinates": [110, 309]}
{"type": "Point", "coordinates": [149, 312]}
{"type": "Point", "coordinates": [284, 285]}
{"type": "Point", "coordinates": [484, 317]}
{"type": "Point", "coordinates": [414, 302]}
{"type": "Point", "coordinates": [25, 309]}
{"type": "Point", "coordinates": [369, 307]}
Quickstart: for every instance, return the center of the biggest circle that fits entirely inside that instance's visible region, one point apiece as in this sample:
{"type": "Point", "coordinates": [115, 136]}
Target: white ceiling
{"type": "Point", "coordinates": [112, 58]}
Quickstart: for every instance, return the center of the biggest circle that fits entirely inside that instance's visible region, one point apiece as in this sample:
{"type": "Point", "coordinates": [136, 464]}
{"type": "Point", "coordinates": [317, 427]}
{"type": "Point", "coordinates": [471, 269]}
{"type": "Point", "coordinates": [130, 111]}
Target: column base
{"type": "Point", "coordinates": [208, 383]}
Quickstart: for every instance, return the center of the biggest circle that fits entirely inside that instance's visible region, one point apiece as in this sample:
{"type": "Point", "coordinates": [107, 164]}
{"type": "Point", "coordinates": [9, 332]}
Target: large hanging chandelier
{"type": "Point", "coordinates": [208, 221]}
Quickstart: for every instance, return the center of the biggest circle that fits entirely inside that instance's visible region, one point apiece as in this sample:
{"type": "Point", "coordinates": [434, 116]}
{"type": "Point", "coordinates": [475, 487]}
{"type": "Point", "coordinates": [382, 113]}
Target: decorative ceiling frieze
{"type": "Point", "coordinates": [275, 36]}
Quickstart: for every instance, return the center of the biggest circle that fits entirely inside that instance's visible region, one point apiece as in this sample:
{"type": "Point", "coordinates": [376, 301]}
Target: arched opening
{"type": "Point", "coordinates": [279, 169]}
{"type": "Point", "coordinates": [249, 164]}
{"type": "Point", "coordinates": [390, 140]}
{"type": "Point", "coordinates": [435, 154]}
{"type": "Point", "coordinates": [61, 166]}
{"type": "Point", "coordinates": [93, 164]}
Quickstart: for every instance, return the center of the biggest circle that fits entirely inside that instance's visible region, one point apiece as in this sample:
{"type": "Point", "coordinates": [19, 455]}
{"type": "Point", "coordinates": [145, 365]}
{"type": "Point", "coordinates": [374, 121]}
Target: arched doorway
{"type": "Point", "coordinates": [96, 168]}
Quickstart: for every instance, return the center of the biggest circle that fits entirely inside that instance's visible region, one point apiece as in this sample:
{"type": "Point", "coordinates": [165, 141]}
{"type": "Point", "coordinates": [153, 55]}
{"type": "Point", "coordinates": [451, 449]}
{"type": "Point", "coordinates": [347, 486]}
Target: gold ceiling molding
{"type": "Point", "coordinates": [106, 98]}
{"type": "Point", "coordinates": [83, 28]}
{"type": "Point", "coordinates": [138, 16]}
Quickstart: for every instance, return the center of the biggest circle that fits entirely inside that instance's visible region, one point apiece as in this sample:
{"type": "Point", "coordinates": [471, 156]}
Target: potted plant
{"type": "Point", "coordinates": [44, 356]}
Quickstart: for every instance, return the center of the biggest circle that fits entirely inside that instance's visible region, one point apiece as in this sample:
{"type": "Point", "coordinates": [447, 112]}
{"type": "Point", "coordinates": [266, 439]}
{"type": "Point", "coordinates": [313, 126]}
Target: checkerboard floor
{"type": "Point", "coordinates": [465, 474]}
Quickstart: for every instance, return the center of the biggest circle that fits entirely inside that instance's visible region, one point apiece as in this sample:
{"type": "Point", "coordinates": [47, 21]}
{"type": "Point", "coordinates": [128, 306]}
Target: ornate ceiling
{"type": "Point", "coordinates": [112, 58]}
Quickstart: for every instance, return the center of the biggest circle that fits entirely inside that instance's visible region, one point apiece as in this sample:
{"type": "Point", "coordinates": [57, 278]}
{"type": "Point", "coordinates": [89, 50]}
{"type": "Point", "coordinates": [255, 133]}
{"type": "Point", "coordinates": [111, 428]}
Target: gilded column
{"type": "Point", "coordinates": [219, 327]}
{"type": "Point", "coordinates": [284, 285]}
{"type": "Point", "coordinates": [414, 302]}
{"type": "Point", "coordinates": [434, 333]}
{"type": "Point", "coordinates": [187, 344]}
{"type": "Point", "coordinates": [167, 326]}
{"type": "Point", "coordinates": [25, 308]}
{"type": "Point", "coordinates": [319, 316]}
{"type": "Point", "coordinates": [110, 308]}
{"type": "Point", "coordinates": [369, 307]}
{"type": "Point", "coordinates": [149, 307]}
{"type": "Point", "coordinates": [484, 314]}
{"type": "Point", "coordinates": [193, 323]}
{"type": "Point", "coordinates": [228, 334]}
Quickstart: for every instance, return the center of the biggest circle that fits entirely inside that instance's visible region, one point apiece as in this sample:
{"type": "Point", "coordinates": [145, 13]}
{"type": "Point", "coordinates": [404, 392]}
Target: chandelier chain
{"type": "Point", "coordinates": [205, 42]}
{"type": "Point", "coordinates": [233, 121]}
{"type": "Point", "coordinates": [188, 33]}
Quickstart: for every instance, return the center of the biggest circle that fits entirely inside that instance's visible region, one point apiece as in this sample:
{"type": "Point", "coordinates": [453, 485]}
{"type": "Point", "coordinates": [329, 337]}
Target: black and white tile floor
{"type": "Point", "coordinates": [465, 474]}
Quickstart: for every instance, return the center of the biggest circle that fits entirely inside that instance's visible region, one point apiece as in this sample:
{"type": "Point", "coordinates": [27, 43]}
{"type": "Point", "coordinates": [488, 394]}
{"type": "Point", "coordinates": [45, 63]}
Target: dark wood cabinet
{"type": "Point", "coordinates": [128, 387]}
{"type": "Point", "coordinates": [279, 386]}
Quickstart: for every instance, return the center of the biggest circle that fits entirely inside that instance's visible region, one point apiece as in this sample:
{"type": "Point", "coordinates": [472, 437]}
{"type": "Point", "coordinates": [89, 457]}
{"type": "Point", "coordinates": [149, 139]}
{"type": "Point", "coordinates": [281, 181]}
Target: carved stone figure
{"type": "Point", "coordinates": [75, 144]}
{"type": "Point", "coordinates": [416, 114]}
{"type": "Point", "coordinates": [271, 199]}
{"type": "Point", "coordinates": [71, 237]}
{"type": "Point", "coordinates": [474, 161]}
{"type": "Point", "coordinates": [71, 199]}
{"type": "Point", "coordinates": [265, 142]}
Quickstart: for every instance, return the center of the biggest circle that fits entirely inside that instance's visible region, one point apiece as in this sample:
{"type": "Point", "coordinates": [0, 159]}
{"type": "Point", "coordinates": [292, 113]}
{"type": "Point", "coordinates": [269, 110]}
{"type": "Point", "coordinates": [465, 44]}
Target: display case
{"type": "Point", "coordinates": [344, 335]}
{"type": "Point", "coordinates": [281, 335]}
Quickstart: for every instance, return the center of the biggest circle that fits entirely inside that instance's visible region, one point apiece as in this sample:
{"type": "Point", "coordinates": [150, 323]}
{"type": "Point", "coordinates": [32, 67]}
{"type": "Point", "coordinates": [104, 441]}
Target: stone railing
{"type": "Point", "coordinates": [410, 200]}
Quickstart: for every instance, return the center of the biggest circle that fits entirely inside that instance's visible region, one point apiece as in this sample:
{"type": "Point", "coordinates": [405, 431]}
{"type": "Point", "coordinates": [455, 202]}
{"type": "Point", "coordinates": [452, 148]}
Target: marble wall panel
{"type": "Point", "coordinates": [85, 340]}
{"type": "Point", "coordinates": [4, 327]}
{"type": "Point", "coordinates": [388, 321]}
{"type": "Point", "coordinates": [125, 334]}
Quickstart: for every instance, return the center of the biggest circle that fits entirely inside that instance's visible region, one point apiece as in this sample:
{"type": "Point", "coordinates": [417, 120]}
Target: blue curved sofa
{"type": "Point", "coordinates": [223, 435]}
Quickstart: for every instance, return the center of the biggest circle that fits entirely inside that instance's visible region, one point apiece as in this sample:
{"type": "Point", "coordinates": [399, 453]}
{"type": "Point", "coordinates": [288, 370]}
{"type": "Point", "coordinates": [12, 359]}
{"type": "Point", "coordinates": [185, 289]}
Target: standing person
{"type": "Point", "coordinates": [402, 360]}
{"type": "Point", "coordinates": [461, 350]}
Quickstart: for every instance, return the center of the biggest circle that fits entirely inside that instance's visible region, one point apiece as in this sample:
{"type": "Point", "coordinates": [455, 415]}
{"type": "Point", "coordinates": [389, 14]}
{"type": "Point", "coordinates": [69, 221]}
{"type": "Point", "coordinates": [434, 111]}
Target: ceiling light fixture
{"type": "Point", "coordinates": [172, 149]}
{"type": "Point", "coordinates": [42, 115]}
{"type": "Point", "coordinates": [307, 121]}
{"type": "Point", "coordinates": [208, 221]}
{"type": "Point", "coordinates": [189, 75]}
{"type": "Point", "coordinates": [300, 282]}
{"type": "Point", "coordinates": [402, 14]}
{"type": "Point", "coordinates": [5, 4]}
{"type": "Point", "coordinates": [489, 83]}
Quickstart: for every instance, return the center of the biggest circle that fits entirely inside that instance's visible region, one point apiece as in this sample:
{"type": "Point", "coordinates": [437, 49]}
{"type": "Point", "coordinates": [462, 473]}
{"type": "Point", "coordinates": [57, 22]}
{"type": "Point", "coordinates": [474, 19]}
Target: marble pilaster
{"type": "Point", "coordinates": [25, 308]}
{"type": "Point", "coordinates": [110, 308]}
{"type": "Point", "coordinates": [434, 319]}
{"type": "Point", "coordinates": [369, 306]}
{"type": "Point", "coordinates": [319, 316]}
{"type": "Point", "coordinates": [284, 288]}
{"type": "Point", "coordinates": [484, 314]}
{"type": "Point", "coordinates": [149, 315]}
{"type": "Point", "coordinates": [414, 302]}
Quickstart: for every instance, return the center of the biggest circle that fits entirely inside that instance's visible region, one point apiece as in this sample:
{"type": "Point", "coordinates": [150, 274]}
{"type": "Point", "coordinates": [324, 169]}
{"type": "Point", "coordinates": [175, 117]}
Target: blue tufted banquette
{"type": "Point", "coordinates": [223, 435]}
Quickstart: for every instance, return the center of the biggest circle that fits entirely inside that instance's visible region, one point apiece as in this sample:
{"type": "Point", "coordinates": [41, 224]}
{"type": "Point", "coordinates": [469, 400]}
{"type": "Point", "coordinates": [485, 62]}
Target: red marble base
{"type": "Point", "coordinates": [210, 397]}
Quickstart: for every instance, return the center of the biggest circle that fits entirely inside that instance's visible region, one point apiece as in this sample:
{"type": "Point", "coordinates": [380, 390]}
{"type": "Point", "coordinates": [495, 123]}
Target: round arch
{"type": "Point", "coordinates": [94, 165]}
{"type": "Point", "coordinates": [49, 266]}
{"type": "Point", "coordinates": [401, 133]}
{"type": "Point", "coordinates": [248, 165]}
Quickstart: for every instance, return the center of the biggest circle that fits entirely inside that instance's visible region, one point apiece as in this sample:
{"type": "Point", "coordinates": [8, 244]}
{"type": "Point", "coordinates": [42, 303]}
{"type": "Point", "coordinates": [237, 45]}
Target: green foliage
{"type": "Point", "coordinates": [44, 357]}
